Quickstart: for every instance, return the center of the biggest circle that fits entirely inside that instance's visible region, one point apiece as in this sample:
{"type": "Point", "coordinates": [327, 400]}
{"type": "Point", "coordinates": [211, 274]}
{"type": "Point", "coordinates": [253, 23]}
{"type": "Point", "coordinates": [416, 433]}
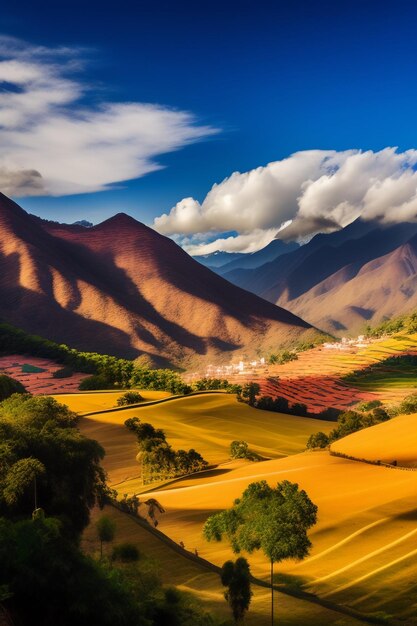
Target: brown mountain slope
{"type": "Point", "coordinates": [383, 288]}
{"type": "Point", "coordinates": [122, 288]}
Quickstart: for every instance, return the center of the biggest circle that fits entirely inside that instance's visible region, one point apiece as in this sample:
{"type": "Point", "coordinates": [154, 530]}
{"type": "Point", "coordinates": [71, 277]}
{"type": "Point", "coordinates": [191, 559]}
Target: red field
{"type": "Point", "coordinates": [39, 382]}
{"type": "Point", "coordinates": [315, 378]}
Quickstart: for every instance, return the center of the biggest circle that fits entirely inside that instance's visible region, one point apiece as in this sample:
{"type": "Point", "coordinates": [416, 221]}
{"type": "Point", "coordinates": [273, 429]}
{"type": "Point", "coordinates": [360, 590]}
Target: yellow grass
{"type": "Point", "coordinates": [208, 423]}
{"type": "Point", "coordinates": [390, 441]}
{"type": "Point", "coordinates": [88, 401]}
{"type": "Point", "coordinates": [365, 543]}
{"type": "Point", "coordinates": [367, 521]}
{"type": "Point", "coordinates": [187, 575]}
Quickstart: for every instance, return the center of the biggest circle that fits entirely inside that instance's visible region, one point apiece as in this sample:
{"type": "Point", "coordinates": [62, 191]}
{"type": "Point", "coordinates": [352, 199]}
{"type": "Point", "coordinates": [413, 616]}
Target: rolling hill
{"type": "Point", "coordinates": [123, 289]}
{"type": "Point", "coordinates": [363, 544]}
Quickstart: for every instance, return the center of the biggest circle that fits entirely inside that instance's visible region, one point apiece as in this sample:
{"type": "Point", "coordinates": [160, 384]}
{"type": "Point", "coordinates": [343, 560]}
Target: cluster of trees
{"type": "Point", "coordinates": [347, 423]}
{"type": "Point", "coordinates": [280, 358]}
{"type": "Point", "coordinates": [157, 457]}
{"type": "Point", "coordinates": [281, 405]}
{"type": "Point", "coordinates": [406, 323]}
{"type": "Point", "coordinates": [50, 477]}
{"type": "Point", "coordinates": [213, 384]}
{"type": "Point", "coordinates": [9, 386]}
{"type": "Point", "coordinates": [241, 450]}
{"type": "Point", "coordinates": [130, 397]}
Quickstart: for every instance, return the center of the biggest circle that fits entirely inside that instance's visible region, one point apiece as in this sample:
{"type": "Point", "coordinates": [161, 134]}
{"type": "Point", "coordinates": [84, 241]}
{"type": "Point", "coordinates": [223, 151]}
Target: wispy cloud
{"type": "Point", "coordinates": [52, 143]}
{"type": "Point", "coordinates": [316, 190]}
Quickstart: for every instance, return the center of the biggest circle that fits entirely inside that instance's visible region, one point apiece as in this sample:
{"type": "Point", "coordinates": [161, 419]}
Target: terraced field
{"type": "Point", "coordinates": [316, 378]}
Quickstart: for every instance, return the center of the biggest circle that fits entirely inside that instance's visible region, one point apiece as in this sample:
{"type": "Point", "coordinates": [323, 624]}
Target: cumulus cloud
{"type": "Point", "coordinates": [52, 142]}
{"type": "Point", "coordinates": [315, 190]}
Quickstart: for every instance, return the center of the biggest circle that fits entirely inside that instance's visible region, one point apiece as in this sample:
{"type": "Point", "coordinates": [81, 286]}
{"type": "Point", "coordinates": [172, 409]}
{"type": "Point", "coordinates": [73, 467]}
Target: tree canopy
{"type": "Point", "coordinates": [272, 519]}
{"type": "Point", "coordinates": [46, 462]}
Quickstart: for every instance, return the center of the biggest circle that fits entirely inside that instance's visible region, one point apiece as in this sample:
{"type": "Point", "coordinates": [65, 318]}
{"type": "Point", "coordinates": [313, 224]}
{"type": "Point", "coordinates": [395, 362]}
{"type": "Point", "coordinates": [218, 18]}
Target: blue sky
{"type": "Point", "coordinates": [273, 78]}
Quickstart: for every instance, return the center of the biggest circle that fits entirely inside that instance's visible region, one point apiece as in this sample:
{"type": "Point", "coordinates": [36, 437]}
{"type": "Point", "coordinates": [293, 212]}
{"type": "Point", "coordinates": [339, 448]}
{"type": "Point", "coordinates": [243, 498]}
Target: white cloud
{"type": "Point", "coordinates": [46, 128]}
{"type": "Point", "coordinates": [317, 190]}
{"type": "Point", "coordinates": [249, 242]}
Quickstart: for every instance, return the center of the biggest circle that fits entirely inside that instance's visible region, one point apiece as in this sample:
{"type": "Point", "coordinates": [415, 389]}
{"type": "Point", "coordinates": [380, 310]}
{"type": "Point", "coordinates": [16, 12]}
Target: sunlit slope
{"type": "Point", "coordinates": [190, 576]}
{"type": "Point", "coordinates": [394, 440]}
{"type": "Point", "coordinates": [89, 401]}
{"type": "Point", "coordinates": [208, 423]}
{"type": "Point", "coordinates": [366, 534]}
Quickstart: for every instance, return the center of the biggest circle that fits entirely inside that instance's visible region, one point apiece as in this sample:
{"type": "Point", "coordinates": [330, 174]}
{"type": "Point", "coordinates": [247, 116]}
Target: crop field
{"type": "Point", "coordinates": [363, 545]}
{"type": "Point", "coordinates": [386, 442]}
{"type": "Point", "coordinates": [41, 381]}
{"type": "Point", "coordinates": [364, 542]}
{"type": "Point", "coordinates": [208, 423]}
{"type": "Point", "coordinates": [317, 377]}
{"type": "Point", "coordinates": [192, 576]}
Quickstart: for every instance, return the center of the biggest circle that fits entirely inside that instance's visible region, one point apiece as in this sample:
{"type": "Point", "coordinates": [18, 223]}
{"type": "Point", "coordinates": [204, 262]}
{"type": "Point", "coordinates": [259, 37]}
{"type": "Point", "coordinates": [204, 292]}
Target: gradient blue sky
{"type": "Point", "coordinates": [275, 77]}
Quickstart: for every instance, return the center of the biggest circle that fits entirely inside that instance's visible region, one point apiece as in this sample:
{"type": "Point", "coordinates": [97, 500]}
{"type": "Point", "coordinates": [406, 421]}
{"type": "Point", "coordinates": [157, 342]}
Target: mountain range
{"type": "Point", "coordinates": [341, 281]}
{"type": "Point", "coordinates": [121, 288]}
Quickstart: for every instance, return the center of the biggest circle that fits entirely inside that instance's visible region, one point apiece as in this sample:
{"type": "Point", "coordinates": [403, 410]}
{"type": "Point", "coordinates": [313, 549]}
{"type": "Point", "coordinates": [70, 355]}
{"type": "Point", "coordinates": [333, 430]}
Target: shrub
{"type": "Point", "coordinates": [239, 450]}
{"type": "Point", "coordinates": [125, 552]}
{"type": "Point", "coordinates": [63, 372]}
{"type": "Point", "coordinates": [318, 440]}
{"type": "Point", "coordinates": [368, 406]}
{"type": "Point", "coordinates": [9, 386]}
{"type": "Point", "coordinates": [94, 383]}
{"type": "Point", "coordinates": [130, 397]}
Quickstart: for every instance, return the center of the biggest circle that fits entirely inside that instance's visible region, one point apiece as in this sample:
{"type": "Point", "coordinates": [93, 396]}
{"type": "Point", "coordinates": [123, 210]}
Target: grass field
{"type": "Point", "coordinates": [208, 423]}
{"type": "Point", "coordinates": [192, 577]}
{"type": "Point", "coordinates": [387, 442]}
{"type": "Point", "coordinates": [364, 542]}
{"type": "Point", "coordinates": [365, 539]}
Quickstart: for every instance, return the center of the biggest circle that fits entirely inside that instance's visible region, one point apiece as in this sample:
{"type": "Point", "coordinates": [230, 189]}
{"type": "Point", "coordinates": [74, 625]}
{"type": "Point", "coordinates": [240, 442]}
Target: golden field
{"type": "Point", "coordinates": [364, 546]}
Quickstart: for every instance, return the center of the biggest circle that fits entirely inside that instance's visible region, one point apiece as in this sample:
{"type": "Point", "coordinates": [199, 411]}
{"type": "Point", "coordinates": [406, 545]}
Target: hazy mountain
{"type": "Point", "coordinates": [217, 259]}
{"type": "Point", "coordinates": [255, 259]}
{"type": "Point", "coordinates": [299, 280]}
{"type": "Point", "coordinates": [121, 288]}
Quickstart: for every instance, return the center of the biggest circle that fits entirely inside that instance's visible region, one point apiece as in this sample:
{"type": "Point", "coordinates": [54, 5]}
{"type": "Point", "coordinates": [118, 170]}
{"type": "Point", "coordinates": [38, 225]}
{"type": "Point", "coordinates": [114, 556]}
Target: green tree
{"type": "Point", "coordinates": [106, 531]}
{"type": "Point", "coordinates": [41, 447]}
{"type": "Point", "coordinates": [318, 440]}
{"type": "Point", "coordinates": [274, 520]}
{"type": "Point", "coordinates": [239, 450]}
{"type": "Point", "coordinates": [236, 577]}
{"type": "Point", "coordinates": [130, 397]}
{"type": "Point", "coordinates": [249, 392]}
{"type": "Point", "coordinates": [9, 386]}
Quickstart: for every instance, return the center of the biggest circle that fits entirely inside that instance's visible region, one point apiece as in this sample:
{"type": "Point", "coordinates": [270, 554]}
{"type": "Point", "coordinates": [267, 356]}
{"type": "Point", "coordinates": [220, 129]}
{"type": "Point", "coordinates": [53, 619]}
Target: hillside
{"type": "Point", "coordinates": [121, 288]}
{"type": "Point", "coordinates": [364, 541]}
{"type": "Point", "coordinates": [387, 442]}
{"type": "Point", "coordinates": [343, 280]}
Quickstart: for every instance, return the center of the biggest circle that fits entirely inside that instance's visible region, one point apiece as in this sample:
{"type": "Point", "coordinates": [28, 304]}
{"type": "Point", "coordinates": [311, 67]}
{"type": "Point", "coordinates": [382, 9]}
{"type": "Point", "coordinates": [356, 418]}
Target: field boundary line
{"type": "Point", "coordinates": [299, 594]}
{"type": "Point", "coordinates": [152, 402]}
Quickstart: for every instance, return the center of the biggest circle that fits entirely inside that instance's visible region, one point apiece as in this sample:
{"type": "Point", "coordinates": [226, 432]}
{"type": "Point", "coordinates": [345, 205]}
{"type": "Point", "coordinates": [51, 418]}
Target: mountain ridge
{"type": "Point", "coordinates": [121, 288]}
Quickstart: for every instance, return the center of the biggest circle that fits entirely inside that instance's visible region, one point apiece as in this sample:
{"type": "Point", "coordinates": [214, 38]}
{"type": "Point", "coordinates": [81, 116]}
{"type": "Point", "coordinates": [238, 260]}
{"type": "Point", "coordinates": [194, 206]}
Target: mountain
{"type": "Point", "coordinates": [327, 280]}
{"type": "Point", "coordinates": [121, 288]}
{"type": "Point", "coordinates": [255, 259]}
{"type": "Point", "coordinates": [381, 289]}
{"type": "Point", "coordinates": [218, 259]}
